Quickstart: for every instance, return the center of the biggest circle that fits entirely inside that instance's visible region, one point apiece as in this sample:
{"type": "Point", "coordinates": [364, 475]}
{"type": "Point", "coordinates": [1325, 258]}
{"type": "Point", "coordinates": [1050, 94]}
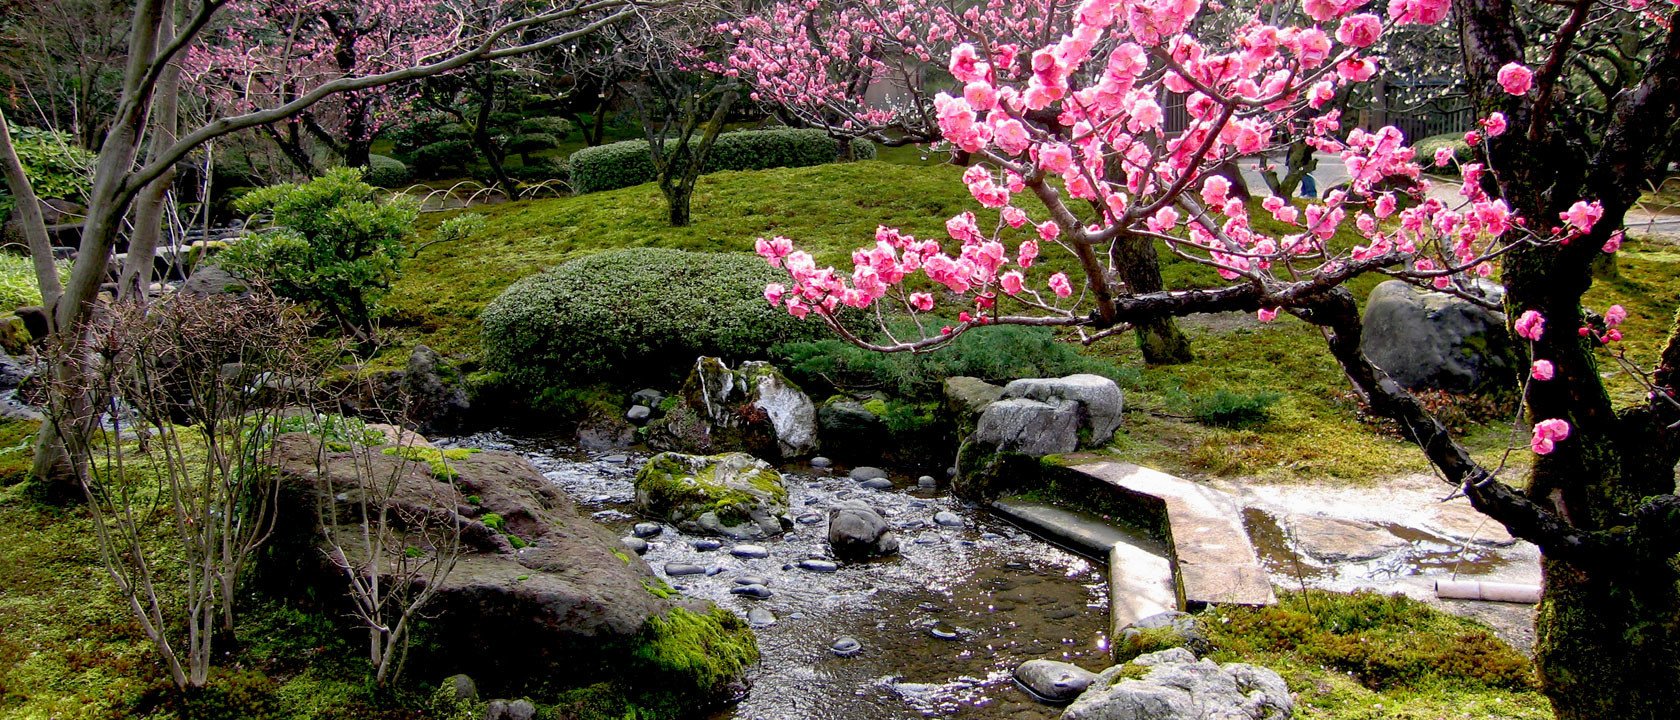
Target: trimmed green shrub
{"type": "Point", "coordinates": [432, 160]}
{"type": "Point", "coordinates": [1226, 408]}
{"type": "Point", "coordinates": [1426, 152]}
{"type": "Point", "coordinates": [387, 172]}
{"type": "Point", "coordinates": [995, 354]}
{"type": "Point", "coordinates": [523, 145]}
{"type": "Point", "coordinates": [634, 313]}
{"type": "Point", "coordinates": [332, 242]}
{"type": "Point", "coordinates": [625, 164]}
{"type": "Point", "coordinates": [558, 127]}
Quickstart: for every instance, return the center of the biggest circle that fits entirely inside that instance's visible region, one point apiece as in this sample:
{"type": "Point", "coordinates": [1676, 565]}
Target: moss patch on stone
{"type": "Point", "coordinates": [436, 460]}
{"type": "Point", "coordinates": [669, 482]}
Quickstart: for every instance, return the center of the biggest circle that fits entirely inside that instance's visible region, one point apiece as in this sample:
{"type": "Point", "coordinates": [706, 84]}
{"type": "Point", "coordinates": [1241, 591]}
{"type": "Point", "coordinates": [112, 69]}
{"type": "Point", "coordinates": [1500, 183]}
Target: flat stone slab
{"type": "Point", "coordinates": [1081, 533]}
{"type": "Point", "coordinates": [1340, 540]}
{"type": "Point", "coordinates": [1140, 580]}
{"type": "Point", "coordinates": [1214, 561]}
{"type": "Point", "coordinates": [1140, 584]}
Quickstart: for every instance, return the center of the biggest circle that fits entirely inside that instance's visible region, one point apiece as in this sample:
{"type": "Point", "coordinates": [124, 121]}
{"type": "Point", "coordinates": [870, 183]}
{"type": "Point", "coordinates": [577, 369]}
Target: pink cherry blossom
{"type": "Point", "coordinates": [1542, 370]}
{"type": "Point", "coordinates": [1360, 30]}
{"type": "Point", "coordinates": [1582, 215]}
{"type": "Point", "coordinates": [1494, 124]}
{"type": "Point", "coordinates": [1516, 79]}
{"type": "Point", "coordinates": [1268, 314]}
{"type": "Point", "coordinates": [1060, 285]}
{"type": "Point", "coordinates": [1615, 316]}
{"type": "Point", "coordinates": [921, 301]}
{"type": "Point", "coordinates": [1547, 433]}
{"type": "Point", "coordinates": [1011, 282]}
{"type": "Point", "coordinates": [1530, 325]}
{"type": "Point", "coordinates": [1614, 243]}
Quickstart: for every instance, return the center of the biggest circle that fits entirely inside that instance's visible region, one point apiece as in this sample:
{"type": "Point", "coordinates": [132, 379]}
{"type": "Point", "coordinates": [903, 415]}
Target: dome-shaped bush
{"type": "Point", "coordinates": [633, 314]}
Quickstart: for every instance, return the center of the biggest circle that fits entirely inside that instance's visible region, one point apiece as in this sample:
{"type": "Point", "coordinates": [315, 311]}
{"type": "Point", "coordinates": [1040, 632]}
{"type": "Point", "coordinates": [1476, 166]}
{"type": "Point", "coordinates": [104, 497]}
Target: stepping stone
{"type": "Point", "coordinates": [753, 591]}
{"type": "Point", "coordinates": [1214, 560]}
{"type": "Point", "coordinates": [681, 569]}
{"type": "Point", "coordinates": [647, 530]}
{"type": "Point", "coordinates": [815, 565]}
{"type": "Point", "coordinates": [751, 552]}
{"type": "Point", "coordinates": [867, 473]}
{"type": "Point", "coordinates": [1337, 540]}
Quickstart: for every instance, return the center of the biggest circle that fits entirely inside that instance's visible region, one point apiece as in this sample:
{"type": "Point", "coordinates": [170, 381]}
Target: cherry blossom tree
{"type": "Point", "coordinates": [160, 39]}
{"type": "Point", "coordinates": [818, 62]}
{"type": "Point", "coordinates": [1073, 156]}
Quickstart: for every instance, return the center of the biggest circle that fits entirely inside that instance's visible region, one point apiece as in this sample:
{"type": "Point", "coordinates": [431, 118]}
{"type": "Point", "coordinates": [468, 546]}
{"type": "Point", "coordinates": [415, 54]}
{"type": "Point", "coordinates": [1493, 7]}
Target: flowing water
{"type": "Point", "coordinates": [941, 626]}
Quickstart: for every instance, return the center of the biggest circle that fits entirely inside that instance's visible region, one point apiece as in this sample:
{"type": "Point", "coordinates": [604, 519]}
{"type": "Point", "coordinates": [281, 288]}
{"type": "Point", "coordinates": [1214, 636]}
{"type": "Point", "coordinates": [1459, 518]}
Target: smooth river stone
{"type": "Point", "coordinates": [751, 552]}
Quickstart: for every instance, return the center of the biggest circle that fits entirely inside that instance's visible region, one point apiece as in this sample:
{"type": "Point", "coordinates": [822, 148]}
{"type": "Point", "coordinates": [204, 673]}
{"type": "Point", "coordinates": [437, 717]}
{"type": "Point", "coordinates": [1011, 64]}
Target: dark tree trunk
{"type": "Point", "coordinates": [1162, 343]}
{"type": "Point", "coordinates": [1608, 640]}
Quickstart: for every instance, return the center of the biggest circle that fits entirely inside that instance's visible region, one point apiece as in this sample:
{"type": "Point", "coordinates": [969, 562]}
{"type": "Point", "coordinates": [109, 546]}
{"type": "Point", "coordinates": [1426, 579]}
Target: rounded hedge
{"type": "Point", "coordinates": [1426, 148]}
{"type": "Point", "coordinates": [387, 172]}
{"type": "Point", "coordinates": [637, 313]}
{"type": "Point", "coordinates": [625, 164]}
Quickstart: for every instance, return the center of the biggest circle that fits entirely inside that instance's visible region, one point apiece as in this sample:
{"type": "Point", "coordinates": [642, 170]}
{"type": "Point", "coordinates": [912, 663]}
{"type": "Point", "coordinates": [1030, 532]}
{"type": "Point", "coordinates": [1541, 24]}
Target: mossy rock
{"type": "Point", "coordinates": [733, 494]}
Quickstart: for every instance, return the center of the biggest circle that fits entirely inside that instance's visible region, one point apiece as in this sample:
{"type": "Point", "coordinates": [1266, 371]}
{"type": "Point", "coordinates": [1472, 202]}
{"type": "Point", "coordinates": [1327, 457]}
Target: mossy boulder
{"type": "Point", "coordinates": [1428, 340]}
{"type": "Point", "coordinates": [851, 430]}
{"type": "Point", "coordinates": [754, 409]}
{"type": "Point", "coordinates": [540, 601]}
{"type": "Point", "coordinates": [733, 494]}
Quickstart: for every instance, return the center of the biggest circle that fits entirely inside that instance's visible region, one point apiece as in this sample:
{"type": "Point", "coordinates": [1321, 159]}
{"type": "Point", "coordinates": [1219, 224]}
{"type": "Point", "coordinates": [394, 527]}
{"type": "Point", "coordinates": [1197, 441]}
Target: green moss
{"type": "Point", "coordinates": [436, 460]}
{"type": "Point", "coordinates": [659, 588]}
{"type": "Point", "coordinates": [17, 450]}
{"type": "Point", "coordinates": [496, 522]}
{"type": "Point", "coordinates": [668, 482]}
{"type": "Point", "coordinates": [621, 555]}
{"type": "Point", "coordinates": [1366, 655]}
{"type": "Point", "coordinates": [707, 651]}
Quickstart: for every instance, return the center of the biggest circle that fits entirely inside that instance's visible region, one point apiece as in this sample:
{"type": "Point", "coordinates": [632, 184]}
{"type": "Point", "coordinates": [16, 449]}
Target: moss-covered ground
{"type": "Point", "coordinates": [1365, 656]}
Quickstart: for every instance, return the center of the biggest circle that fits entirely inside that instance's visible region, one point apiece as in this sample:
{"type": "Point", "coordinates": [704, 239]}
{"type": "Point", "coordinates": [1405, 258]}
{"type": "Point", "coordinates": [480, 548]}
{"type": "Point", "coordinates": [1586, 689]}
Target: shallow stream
{"type": "Point", "coordinates": [942, 626]}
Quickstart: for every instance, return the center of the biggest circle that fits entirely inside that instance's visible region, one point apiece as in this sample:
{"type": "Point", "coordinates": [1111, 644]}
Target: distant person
{"type": "Point", "coordinates": [1309, 186]}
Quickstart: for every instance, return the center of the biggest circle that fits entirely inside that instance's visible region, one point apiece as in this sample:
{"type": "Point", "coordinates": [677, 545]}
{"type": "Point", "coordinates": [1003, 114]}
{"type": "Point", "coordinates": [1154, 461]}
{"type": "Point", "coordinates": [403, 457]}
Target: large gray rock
{"type": "Point", "coordinates": [1052, 681]}
{"type": "Point", "coordinates": [437, 396]}
{"type": "Point", "coordinates": [1433, 341]}
{"type": "Point", "coordinates": [1098, 400]}
{"type": "Point", "coordinates": [754, 408]}
{"type": "Point", "coordinates": [733, 494]}
{"type": "Point", "coordinates": [208, 280]}
{"type": "Point", "coordinates": [850, 431]}
{"type": "Point", "coordinates": [967, 397]}
{"type": "Point", "coordinates": [1177, 686]}
{"type": "Point", "coordinates": [1029, 427]}
{"type": "Point", "coordinates": [538, 591]}
{"type": "Point", "coordinates": [857, 532]}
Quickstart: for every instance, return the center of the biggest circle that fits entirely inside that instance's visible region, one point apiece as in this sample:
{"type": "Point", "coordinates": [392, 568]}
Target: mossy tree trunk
{"type": "Point", "coordinates": [1135, 259]}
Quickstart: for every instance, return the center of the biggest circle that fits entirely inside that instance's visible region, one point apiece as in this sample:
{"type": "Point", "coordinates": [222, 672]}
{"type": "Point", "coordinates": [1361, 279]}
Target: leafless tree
{"type": "Point", "coordinates": [171, 428]}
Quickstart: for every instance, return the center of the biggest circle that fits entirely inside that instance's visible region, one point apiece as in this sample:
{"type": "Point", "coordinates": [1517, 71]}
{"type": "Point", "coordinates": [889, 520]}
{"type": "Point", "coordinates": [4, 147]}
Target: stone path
{"type": "Point", "coordinates": [1140, 579]}
{"type": "Point", "coordinates": [1213, 560]}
